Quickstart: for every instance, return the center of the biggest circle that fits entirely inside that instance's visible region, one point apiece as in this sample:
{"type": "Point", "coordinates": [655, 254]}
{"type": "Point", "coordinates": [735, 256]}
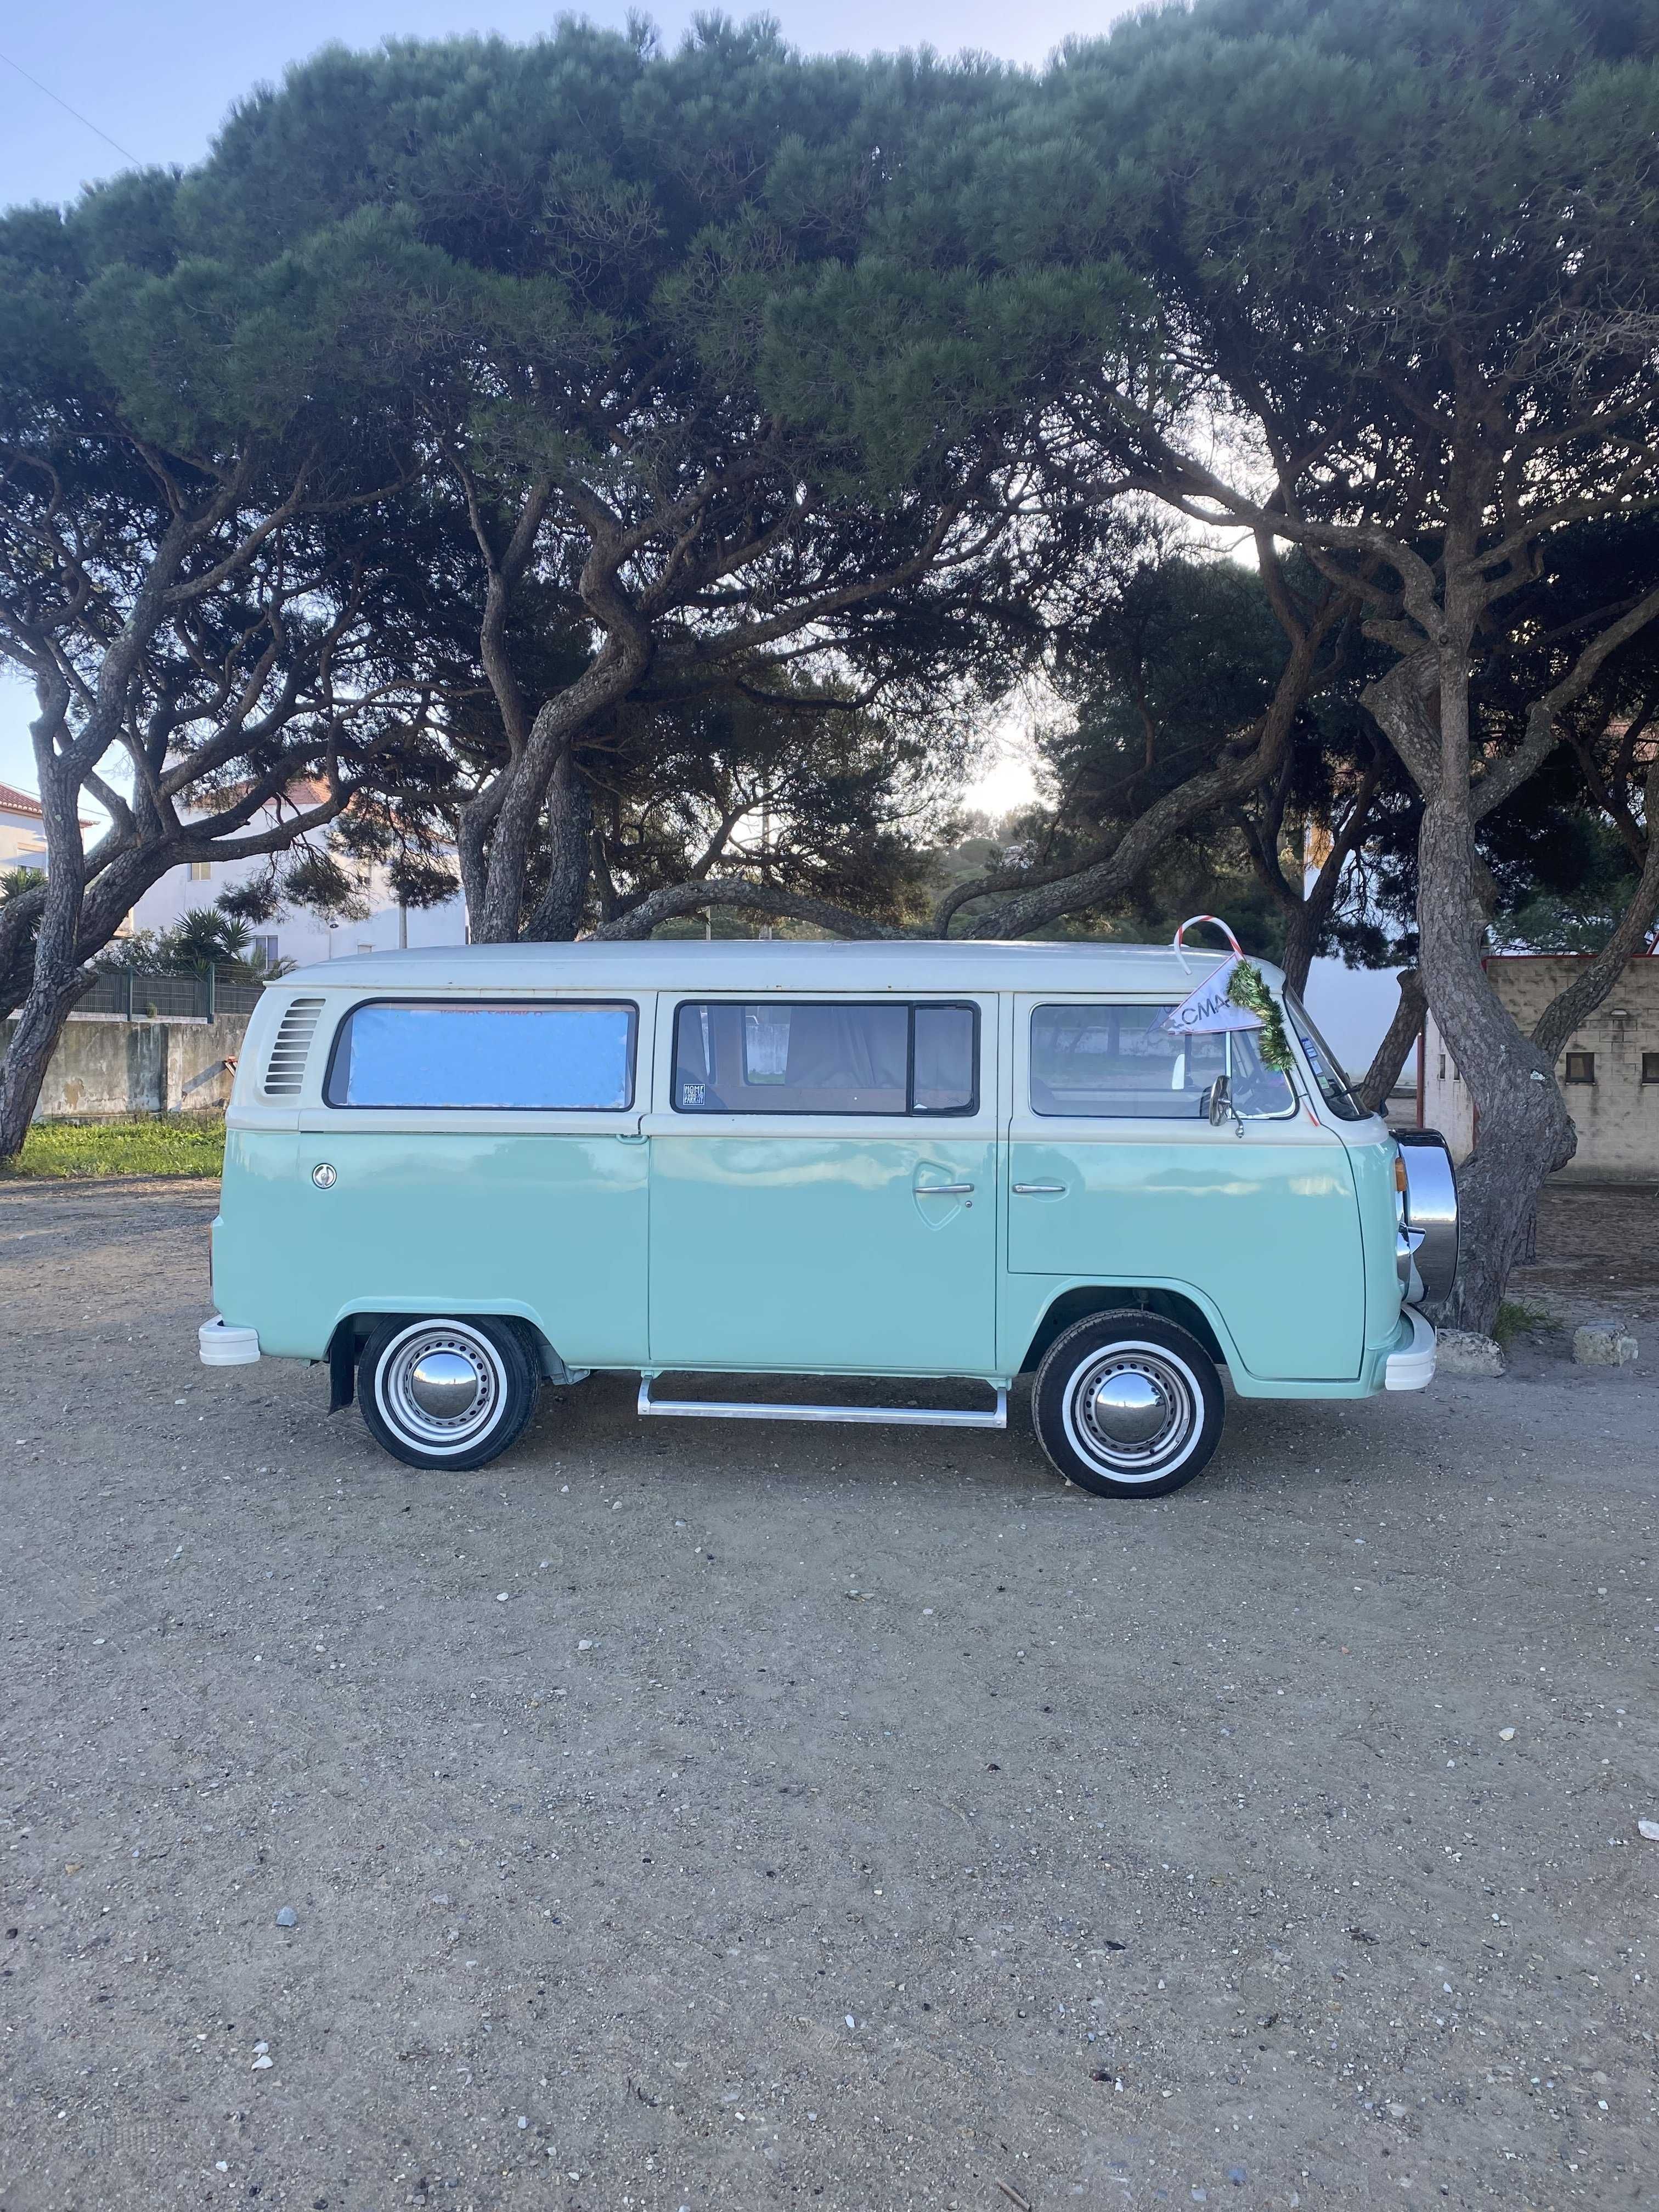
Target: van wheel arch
{"type": "Point", "coordinates": [345, 1349]}
{"type": "Point", "coordinates": [1076, 1305]}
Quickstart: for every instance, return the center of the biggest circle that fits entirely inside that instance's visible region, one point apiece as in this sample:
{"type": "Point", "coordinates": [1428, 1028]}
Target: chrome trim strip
{"type": "Point", "coordinates": [716, 1409]}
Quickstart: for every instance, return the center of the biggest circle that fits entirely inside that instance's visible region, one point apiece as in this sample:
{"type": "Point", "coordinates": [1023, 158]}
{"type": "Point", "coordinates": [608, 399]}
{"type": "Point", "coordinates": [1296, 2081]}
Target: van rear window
{"type": "Point", "coordinates": [533, 1055]}
{"type": "Point", "coordinates": [768, 1058]}
{"type": "Point", "coordinates": [1119, 1062]}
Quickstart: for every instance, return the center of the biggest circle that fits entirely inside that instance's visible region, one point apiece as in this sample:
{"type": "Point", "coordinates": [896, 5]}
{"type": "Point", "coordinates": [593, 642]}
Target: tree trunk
{"type": "Point", "coordinates": [1302, 930]}
{"type": "Point", "coordinates": [569, 848]}
{"type": "Point", "coordinates": [28, 1056]}
{"type": "Point", "coordinates": [510, 809]}
{"type": "Point", "coordinates": [1524, 1131]}
{"type": "Point", "coordinates": [1402, 1033]}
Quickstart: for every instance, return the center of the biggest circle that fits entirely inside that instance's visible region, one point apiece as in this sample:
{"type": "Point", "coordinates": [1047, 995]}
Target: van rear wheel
{"type": "Point", "coordinates": [1128, 1405]}
{"type": "Point", "coordinates": [445, 1392]}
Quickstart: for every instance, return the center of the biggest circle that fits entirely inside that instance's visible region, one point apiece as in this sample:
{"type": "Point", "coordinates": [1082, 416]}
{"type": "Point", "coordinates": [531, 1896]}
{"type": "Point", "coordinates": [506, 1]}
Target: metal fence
{"type": "Point", "coordinates": [136, 997]}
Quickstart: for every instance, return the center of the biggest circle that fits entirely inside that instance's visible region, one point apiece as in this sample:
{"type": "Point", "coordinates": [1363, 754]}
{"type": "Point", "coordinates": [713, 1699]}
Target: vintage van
{"type": "Point", "coordinates": [452, 1174]}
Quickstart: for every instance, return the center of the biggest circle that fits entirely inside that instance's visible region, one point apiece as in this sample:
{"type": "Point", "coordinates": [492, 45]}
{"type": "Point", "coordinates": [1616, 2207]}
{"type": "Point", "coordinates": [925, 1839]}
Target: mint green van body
{"type": "Point", "coordinates": [948, 1212]}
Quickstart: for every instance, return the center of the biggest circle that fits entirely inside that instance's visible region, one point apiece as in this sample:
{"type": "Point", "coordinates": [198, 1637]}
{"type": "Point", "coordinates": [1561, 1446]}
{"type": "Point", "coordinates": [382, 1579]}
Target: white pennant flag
{"type": "Point", "coordinates": [1209, 1009]}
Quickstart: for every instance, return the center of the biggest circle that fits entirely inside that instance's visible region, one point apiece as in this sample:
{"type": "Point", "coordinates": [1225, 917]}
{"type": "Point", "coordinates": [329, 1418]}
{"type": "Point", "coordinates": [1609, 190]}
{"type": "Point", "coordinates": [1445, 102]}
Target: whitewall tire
{"type": "Point", "coordinates": [446, 1392]}
{"type": "Point", "coordinates": [1128, 1405]}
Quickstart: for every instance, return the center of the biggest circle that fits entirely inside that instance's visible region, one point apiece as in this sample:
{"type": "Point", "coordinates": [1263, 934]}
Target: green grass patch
{"type": "Point", "coordinates": [1514, 1319]}
{"type": "Point", "coordinates": [169, 1145]}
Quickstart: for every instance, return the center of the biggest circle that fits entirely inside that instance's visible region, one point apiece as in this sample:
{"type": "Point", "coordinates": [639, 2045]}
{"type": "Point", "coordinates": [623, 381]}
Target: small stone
{"type": "Point", "coordinates": [260, 2064]}
{"type": "Point", "coordinates": [1396, 2111]}
{"type": "Point", "coordinates": [584, 1643]}
{"type": "Point", "coordinates": [221, 2166]}
{"type": "Point", "coordinates": [1506, 1735]}
{"type": "Point", "coordinates": [440, 1898]}
{"type": "Point", "coordinates": [502, 1596]}
{"type": "Point", "coordinates": [261, 2046]}
{"type": "Point", "coordinates": [1602, 1344]}
{"type": "Point", "coordinates": [1465, 1351]}
{"type": "Point", "coordinates": [1649, 1829]}
{"type": "Point", "coordinates": [286, 1916]}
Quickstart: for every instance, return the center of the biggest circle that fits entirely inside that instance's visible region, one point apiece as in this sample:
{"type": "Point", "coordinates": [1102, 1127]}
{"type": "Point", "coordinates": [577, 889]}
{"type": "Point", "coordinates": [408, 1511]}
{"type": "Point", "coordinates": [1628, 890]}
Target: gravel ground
{"type": "Point", "coordinates": [686, 1816]}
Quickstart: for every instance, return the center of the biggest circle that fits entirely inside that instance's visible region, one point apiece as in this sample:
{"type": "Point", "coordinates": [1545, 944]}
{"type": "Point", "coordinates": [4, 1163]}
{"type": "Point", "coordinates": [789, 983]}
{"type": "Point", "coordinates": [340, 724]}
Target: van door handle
{"type": "Point", "coordinates": [1039, 1190]}
{"type": "Point", "coordinates": [943, 1189]}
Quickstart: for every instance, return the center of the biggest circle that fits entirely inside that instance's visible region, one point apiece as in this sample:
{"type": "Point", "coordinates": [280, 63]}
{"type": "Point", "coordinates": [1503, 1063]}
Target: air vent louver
{"type": "Point", "coordinates": [285, 1070]}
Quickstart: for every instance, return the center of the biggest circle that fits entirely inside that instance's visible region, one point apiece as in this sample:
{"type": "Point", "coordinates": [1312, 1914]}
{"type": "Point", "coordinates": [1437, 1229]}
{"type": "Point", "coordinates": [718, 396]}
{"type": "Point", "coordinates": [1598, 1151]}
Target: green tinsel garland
{"type": "Point", "coordinates": [1246, 988]}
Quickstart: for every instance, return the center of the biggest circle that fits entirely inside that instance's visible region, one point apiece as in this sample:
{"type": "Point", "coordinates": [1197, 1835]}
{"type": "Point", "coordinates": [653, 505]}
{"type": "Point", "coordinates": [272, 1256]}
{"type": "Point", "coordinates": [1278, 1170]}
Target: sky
{"type": "Point", "coordinates": [150, 83]}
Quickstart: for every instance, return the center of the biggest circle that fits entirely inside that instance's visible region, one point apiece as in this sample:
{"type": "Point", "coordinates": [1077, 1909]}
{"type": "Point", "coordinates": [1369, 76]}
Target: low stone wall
{"type": "Point", "coordinates": [106, 1066]}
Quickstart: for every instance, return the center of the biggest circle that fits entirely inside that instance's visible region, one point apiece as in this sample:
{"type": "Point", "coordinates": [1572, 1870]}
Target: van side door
{"type": "Point", "coordinates": [823, 1185]}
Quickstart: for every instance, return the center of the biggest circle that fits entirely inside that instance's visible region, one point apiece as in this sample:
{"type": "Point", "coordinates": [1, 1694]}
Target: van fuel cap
{"type": "Point", "coordinates": [323, 1176]}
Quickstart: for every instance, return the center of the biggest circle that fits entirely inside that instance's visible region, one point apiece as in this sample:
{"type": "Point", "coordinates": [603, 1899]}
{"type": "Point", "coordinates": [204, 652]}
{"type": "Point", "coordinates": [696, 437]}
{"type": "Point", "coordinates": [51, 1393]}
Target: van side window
{"type": "Point", "coordinates": [768, 1058]}
{"type": "Point", "coordinates": [1119, 1062]}
{"type": "Point", "coordinates": [534, 1056]}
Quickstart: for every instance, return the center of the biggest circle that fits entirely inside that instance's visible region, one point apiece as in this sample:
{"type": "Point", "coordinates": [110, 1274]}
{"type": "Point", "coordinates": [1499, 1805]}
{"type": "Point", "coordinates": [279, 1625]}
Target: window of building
{"type": "Point", "coordinates": [842, 1059]}
{"type": "Point", "coordinates": [1650, 1068]}
{"type": "Point", "coordinates": [201, 871]}
{"type": "Point", "coordinates": [533, 1057]}
{"type": "Point", "coordinates": [263, 952]}
{"type": "Point", "coordinates": [1581, 1067]}
{"type": "Point", "coordinates": [1119, 1062]}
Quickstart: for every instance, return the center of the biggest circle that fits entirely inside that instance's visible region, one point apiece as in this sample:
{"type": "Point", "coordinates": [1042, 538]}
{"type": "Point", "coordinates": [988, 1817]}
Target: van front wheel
{"type": "Point", "coordinates": [443, 1393]}
{"type": "Point", "coordinates": [1128, 1405]}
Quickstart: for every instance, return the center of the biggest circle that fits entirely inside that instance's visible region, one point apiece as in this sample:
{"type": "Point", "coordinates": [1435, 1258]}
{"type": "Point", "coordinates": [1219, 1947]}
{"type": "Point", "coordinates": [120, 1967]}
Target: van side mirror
{"type": "Point", "coordinates": [1220, 1107]}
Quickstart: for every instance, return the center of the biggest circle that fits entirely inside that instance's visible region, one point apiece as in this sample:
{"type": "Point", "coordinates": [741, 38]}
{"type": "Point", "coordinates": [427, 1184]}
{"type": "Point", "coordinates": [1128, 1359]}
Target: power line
{"type": "Point", "coordinates": [68, 110]}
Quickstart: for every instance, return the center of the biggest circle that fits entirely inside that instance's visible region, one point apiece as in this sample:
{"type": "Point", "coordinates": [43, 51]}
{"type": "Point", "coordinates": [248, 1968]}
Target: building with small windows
{"type": "Point", "coordinates": [295, 934]}
{"type": "Point", "coordinates": [1609, 1070]}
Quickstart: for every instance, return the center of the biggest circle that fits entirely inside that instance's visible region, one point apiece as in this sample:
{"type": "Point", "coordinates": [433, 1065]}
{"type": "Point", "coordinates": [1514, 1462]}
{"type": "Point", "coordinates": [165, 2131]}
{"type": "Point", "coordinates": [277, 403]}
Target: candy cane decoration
{"type": "Point", "coordinates": [1215, 922]}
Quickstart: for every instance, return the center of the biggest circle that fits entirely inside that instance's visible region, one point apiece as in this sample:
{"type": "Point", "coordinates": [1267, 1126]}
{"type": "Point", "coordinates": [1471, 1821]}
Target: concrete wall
{"type": "Point", "coordinates": [1617, 1115]}
{"type": "Point", "coordinates": [107, 1066]}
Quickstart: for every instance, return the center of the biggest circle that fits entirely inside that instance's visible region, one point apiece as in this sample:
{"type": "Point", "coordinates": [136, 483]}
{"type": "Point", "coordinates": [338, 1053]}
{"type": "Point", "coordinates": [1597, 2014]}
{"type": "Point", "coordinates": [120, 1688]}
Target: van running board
{"type": "Point", "coordinates": [726, 1409]}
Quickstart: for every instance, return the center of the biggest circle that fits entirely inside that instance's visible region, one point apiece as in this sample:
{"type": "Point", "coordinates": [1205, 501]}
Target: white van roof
{"type": "Point", "coordinates": [904, 965]}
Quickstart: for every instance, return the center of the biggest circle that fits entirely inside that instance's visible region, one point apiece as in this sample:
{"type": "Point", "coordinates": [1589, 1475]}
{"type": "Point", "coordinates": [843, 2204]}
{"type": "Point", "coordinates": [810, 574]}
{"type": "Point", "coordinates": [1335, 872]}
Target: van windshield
{"type": "Point", "coordinates": [1335, 1087]}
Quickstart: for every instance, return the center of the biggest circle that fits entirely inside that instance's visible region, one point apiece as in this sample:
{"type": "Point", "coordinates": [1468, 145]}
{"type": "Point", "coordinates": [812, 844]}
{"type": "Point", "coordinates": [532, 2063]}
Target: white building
{"type": "Point", "coordinates": [22, 829]}
{"type": "Point", "coordinates": [295, 934]}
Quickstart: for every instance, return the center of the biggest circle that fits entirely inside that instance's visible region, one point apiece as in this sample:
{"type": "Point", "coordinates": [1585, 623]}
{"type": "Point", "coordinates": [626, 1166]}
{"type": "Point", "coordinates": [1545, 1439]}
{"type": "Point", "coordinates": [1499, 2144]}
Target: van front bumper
{"type": "Point", "coordinates": [1411, 1366]}
{"type": "Point", "coordinates": [220, 1343]}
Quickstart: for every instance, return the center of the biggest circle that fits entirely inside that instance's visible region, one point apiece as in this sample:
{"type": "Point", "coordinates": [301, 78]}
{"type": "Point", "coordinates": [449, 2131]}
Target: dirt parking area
{"type": "Point", "coordinates": [705, 1815]}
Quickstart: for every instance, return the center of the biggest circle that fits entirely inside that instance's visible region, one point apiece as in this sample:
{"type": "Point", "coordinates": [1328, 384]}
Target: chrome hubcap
{"type": "Point", "coordinates": [1127, 1407]}
{"type": "Point", "coordinates": [444, 1384]}
{"type": "Point", "coordinates": [441, 1385]}
{"type": "Point", "coordinates": [1134, 1411]}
